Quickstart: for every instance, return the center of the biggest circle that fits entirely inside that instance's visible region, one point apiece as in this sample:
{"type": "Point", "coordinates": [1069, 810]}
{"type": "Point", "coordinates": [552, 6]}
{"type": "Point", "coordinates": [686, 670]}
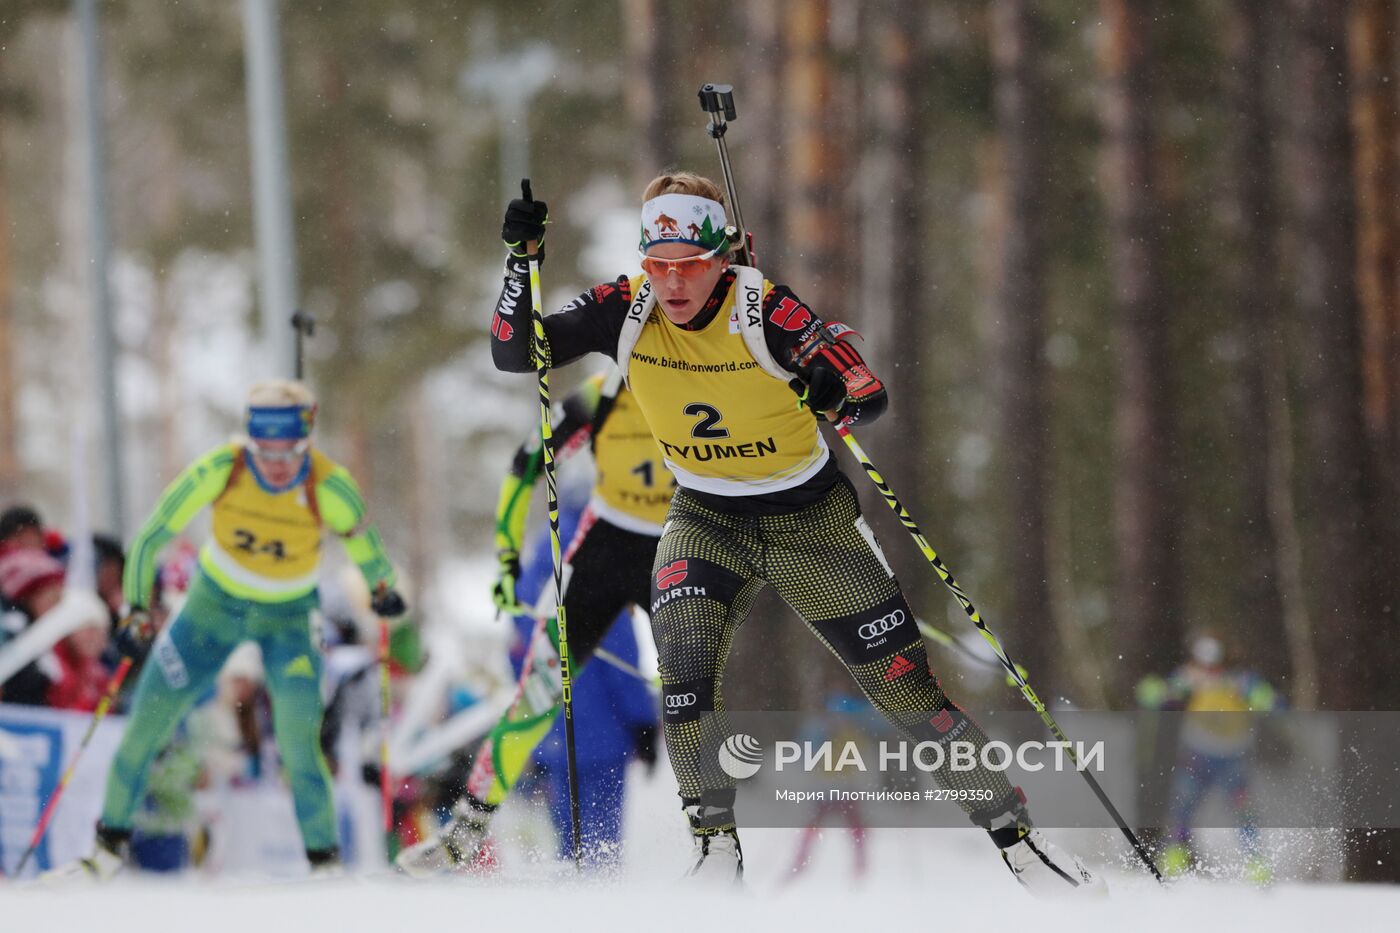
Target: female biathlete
{"type": "Point", "coordinates": [272, 496]}
{"type": "Point", "coordinates": [713, 354]}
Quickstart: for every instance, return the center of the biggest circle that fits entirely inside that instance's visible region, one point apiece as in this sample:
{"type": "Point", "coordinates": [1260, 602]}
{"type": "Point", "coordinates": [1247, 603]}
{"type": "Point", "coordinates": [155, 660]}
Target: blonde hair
{"type": "Point", "coordinates": [278, 392]}
{"type": "Point", "coordinates": [676, 182]}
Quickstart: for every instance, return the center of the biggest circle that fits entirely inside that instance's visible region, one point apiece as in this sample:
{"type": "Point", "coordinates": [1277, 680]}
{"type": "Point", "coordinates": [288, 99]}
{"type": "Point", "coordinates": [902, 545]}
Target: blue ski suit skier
{"type": "Point", "coordinates": [615, 720]}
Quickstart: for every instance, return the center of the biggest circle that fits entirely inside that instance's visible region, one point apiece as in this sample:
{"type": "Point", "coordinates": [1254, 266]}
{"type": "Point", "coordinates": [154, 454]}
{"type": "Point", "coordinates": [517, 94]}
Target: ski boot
{"type": "Point", "coordinates": [108, 856]}
{"type": "Point", "coordinates": [460, 845]}
{"type": "Point", "coordinates": [1041, 867]}
{"type": "Point", "coordinates": [325, 863]}
{"type": "Point", "coordinates": [1045, 870]}
{"type": "Point", "coordinates": [717, 858]}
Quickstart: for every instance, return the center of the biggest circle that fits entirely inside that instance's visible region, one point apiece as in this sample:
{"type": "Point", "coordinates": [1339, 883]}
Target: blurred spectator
{"type": "Point", "coordinates": [81, 678]}
{"type": "Point", "coordinates": [31, 581]}
{"type": "Point", "coordinates": [32, 584]}
{"type": "Point", "coordinates": [21, 528]}
{"type": "Point", "coordinates": [230, 731]}
{"type": "Point", "coordinates": [72, 675]}
{"type": "Point", "coordinates": [111, 562]}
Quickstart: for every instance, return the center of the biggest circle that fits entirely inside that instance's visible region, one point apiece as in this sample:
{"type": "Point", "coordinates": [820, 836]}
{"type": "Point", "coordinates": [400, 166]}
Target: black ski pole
{"type": "Point", "coordinates": [541, 352]}
{"type": "Point", "coordinates": [718, 101]}
{"type": "Point", "coordinates": [1013, 670]}
{"type": "Point", "coordinates": [304, 323]}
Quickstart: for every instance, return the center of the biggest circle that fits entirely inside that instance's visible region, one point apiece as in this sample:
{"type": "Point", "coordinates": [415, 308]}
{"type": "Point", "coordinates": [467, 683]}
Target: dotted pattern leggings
{"type": "Point", "coordinates": [824, 561]}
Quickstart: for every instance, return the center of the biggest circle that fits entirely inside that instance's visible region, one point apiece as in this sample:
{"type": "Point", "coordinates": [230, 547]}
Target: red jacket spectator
{"type": "Point", "coordinates": [83, 678]}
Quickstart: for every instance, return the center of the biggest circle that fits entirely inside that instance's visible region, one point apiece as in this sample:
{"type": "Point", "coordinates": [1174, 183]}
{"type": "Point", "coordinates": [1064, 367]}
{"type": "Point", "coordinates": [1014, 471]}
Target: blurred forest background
{"type": "Point", "coordinates": [1129, 268]}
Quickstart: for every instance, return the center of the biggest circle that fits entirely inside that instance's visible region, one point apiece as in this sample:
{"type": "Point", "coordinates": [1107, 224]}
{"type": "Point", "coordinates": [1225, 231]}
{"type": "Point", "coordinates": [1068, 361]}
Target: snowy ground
{"type": "Point", "coordinates": [950, 893]}
{"type": "Point", "coordinates": [942, 880]}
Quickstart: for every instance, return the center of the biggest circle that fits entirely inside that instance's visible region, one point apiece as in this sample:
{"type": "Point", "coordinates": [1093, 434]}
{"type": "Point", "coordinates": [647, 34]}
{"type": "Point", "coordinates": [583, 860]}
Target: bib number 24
{"type": "Point", "coordinates": [248, 542]}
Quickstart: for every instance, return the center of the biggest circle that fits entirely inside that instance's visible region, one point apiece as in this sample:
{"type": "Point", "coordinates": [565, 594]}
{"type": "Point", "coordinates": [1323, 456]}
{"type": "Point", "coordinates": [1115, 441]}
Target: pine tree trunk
{"type": "Point", "coordinates": [762, 117]}
{"type": "Point", "coordinates": [1147, 524]}
{"type": "Point", "coordinates": [346, 258]}
{"type": "Point", "coordinates": [812, 223]}
{"type": "Point", "coordinates": [1343, 483]}
{"type": "Point", "coordinates": [1349, 553]}
{"type": "Point", "coordinates": [646, 28]}
{"type": "Point", "coordinates": [1257, 299]}
{"type": "Point", "coordinates": [892, 190]}
{"type": "Point", "coordinates": [812, 219]}
{"type": "Point", "coordinates": [1377, 132]}
{"type": "Point", "coordinates": [910, 333]}
{"type": "Point", "coordinates": [1023, 397]}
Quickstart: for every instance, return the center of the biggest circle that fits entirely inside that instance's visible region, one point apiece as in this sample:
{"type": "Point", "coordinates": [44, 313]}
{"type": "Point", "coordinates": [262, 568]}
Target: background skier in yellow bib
{"type": "Point", "coordinates": [272, 496]}
{"type": "Point", "coordinates": [609, 562]}
{"type": "Point", "coordinates": [713, 353]}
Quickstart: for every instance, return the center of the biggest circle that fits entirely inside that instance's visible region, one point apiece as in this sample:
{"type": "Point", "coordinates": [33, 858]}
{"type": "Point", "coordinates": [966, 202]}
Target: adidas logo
{"type": "Point", "coordinates": [899, 667]}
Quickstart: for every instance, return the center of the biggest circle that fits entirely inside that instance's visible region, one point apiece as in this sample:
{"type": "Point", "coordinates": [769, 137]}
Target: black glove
{"type": "Point", "coordinates": [644, 742]}
{"type": "Point", "coordinates": [524, 221]}
{"type": "Point", "coordinates": [388, 604]}
{"type": "Point", "coordinates": [824, 390]}
{"type": "Point", "coordinates": [135, 633]}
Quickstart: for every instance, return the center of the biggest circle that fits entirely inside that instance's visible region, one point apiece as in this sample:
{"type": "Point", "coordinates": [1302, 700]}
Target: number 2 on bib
{"type": "Point", "coordinates": [707, 428]}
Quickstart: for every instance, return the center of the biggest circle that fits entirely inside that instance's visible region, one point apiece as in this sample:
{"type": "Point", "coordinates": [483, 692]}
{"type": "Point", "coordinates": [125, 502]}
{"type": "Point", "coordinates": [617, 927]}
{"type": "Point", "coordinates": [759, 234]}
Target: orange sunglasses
{"type": "Point", "coordinates": [689, 267]}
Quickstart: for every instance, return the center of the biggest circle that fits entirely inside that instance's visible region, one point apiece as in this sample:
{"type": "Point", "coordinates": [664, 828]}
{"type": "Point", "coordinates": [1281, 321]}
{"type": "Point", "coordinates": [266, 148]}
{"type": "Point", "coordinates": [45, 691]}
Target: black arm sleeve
{"type": "Point", "coordinates": [591, 323]}
{"type": "Point", "coordinates": [801, 341]}
{"type": "Point", "coordinates": [573, 428]}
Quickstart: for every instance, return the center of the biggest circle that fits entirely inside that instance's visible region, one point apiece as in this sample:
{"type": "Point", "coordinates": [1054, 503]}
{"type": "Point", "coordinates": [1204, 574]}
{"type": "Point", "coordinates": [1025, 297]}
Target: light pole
{"type": "Point", "coordinates": [99, 258]}
{"type": "Point", "coordinates": [510, 82]}
{"type": "Point", "coordinates": [272, 190]}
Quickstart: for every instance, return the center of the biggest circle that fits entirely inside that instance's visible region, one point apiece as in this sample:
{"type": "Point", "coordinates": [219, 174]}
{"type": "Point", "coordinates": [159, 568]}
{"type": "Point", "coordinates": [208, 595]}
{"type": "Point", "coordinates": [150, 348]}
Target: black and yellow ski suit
{"type": "Point", "coordinates": [761, 502]}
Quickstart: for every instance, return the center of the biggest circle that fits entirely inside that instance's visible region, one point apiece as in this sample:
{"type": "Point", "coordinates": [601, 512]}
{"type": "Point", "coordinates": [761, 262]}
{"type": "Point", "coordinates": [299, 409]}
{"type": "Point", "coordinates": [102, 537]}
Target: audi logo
{"type": "Point", "coordinates": [679, 700]}
{"type": "Point", "coordinates": [881, 625]}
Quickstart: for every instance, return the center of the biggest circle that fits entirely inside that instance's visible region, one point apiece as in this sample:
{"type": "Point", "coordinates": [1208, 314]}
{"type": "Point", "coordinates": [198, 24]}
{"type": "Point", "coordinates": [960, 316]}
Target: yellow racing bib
{"type": "Point", "coordinates": [632, 480]}
{"type": "Point", "coordinates": [267, 541]}
{"type": "Point", "coordinates": [724, 425]}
